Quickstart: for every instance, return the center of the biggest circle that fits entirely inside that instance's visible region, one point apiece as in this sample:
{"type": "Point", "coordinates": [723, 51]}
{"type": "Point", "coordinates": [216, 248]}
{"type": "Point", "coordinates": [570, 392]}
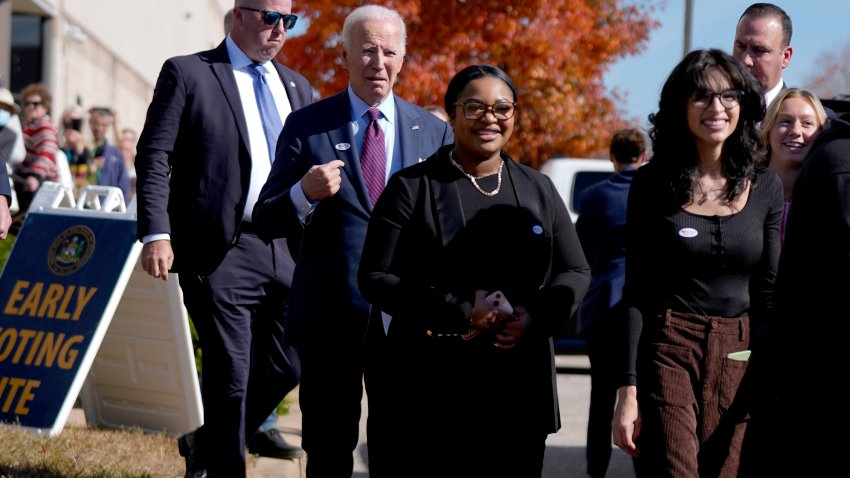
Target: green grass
{"type": "Point", "coordinates": [81, 452]}
{"type": "Point", "coordinates": [5, 249]}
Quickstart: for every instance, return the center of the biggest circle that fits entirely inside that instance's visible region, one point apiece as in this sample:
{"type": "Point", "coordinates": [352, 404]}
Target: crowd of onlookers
{"type": "Point", "coordinates": [84, 147]}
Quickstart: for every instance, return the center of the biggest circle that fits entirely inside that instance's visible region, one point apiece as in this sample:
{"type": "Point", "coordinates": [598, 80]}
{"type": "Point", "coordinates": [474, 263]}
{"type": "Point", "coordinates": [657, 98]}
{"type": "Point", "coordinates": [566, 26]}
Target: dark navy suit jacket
{"type": "Point", "coordinates": [601, 227]}
{"type": "Point", "coordinates": [195, 132]}
{"type": "Point", "coordinates": [326, 300]}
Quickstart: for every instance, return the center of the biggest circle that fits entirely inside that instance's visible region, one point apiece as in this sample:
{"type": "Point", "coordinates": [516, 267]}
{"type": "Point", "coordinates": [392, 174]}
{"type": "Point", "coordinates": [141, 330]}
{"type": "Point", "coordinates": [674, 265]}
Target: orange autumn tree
{"type": "Point", "coordinates": [556, 51]}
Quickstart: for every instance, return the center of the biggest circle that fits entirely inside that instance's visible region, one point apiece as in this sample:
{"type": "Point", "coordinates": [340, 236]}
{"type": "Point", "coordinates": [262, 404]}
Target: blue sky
{"type": "Point", "coordinates": [818, 26]}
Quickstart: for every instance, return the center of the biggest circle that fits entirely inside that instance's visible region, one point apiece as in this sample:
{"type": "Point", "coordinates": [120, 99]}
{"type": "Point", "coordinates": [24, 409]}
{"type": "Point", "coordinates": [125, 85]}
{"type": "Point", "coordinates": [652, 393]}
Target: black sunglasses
{"type": "Point", "coordinates": [271, 18]}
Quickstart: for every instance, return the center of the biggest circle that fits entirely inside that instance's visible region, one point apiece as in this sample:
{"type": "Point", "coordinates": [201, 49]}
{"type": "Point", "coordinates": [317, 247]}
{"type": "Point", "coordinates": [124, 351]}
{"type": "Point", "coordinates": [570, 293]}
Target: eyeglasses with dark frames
{"type": "Point", "coordinates": [271, 18]}
{"type": "Point", "coordinates": [475, 110]}
{"type": "Point", "coordinates": [32, 104]}
{"type": "Point", "coordinates": [728, 98]}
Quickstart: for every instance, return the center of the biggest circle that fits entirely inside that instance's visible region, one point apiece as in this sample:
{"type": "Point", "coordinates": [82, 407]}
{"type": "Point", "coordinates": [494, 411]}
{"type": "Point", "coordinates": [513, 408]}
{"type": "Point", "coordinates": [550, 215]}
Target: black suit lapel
{"type": "Point", "coordinates": [290, 86]}
{"type": "Point", "coordinates": [450, 219]}
{"type": "Point", "coordinates": [223, 71]}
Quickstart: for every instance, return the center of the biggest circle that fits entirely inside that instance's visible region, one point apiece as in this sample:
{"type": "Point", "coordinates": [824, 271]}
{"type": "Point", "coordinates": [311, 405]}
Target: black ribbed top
{"type": "Point", "coordinates": [708, 265]}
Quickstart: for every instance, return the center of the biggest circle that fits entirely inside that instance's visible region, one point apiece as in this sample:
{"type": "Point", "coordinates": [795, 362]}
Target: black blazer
{"type": "Point", "coordinates": [194, 161]}
{"type": "Point", "coordinates": [418, 246]}
{"type": "Point", "coordinates": [814, 267]}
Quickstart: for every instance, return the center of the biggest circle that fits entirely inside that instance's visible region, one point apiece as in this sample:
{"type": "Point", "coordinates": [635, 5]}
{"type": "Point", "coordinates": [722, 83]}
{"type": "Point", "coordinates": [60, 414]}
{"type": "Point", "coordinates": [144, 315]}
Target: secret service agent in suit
{"type": "Point", "coordinates": [317, 190]}
{"type": "Point", "coordinates": [202, 158]}
{"type": "Point", "coordinates": [763, 44]}
{"type": "Point", "coordinates": [601, 227]}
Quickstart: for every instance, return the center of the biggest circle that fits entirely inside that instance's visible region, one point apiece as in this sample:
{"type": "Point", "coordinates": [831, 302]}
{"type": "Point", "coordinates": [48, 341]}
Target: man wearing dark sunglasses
{"type": "Point", "coordinates": [202, 157]}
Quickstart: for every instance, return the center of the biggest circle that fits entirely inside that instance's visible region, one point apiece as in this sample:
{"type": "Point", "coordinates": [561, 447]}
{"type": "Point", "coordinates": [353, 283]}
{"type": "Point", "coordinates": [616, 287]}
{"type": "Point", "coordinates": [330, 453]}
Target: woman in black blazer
{"type": "Point", "coordinates": [474, 372]}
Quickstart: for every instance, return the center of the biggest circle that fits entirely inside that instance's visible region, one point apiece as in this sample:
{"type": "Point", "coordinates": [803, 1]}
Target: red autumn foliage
{"type": "Point", "coordinates": [556, 51]}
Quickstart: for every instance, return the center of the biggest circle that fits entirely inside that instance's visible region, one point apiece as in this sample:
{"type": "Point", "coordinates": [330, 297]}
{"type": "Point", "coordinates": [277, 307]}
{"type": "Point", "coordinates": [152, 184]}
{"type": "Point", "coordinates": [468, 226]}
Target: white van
{"type": "Point", "coordinates": [572, 176]}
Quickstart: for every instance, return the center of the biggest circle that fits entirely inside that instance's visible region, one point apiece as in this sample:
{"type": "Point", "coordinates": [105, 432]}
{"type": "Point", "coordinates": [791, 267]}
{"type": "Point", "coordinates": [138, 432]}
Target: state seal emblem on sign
{"type": "Point", "coordinates": [71, 250]}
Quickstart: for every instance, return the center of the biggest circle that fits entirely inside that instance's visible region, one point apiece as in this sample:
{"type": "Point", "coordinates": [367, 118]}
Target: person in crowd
{"type": "Point", "coordinates": [797, 371]}
{"type": "Point", "coordinates": [74, 146]}
{"type": "Point", "coordinates": [40, 141]}
{"type": "Point", "coordinates": [601, 227]}
{"type": "Point", "coordinates": [127, 146]}
{"type": "Point", "coordinates": [435, 251]}
{"type": "Point", "coordinates": [109, 166]}
{"type": "Point", "coordinates": [702, 247]}
{"type": "Point", "coordinates": [203, 155]}
{"type": "Point", "coordinates": [8, 138]}
{"type": "Point", "coordinates": [763, 44]}
{"type": "Point", "coordinates": [792, 123]}
{"type": "Point", "coordinates": [331, 166]}
{"type": "Point", "coordinates": [438, 111]}
{"type": "Point", "coordinates": [12, 150]}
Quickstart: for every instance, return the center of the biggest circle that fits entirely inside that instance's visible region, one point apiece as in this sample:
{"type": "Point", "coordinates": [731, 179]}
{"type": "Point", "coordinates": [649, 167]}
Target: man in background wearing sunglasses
{"type": "Point", "coordinates": [202, 157]}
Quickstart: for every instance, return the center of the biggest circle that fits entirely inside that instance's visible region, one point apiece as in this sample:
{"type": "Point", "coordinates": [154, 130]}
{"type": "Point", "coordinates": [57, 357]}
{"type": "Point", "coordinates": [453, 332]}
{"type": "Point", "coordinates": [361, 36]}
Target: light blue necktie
{"type": "Point", "coordinates": [268, 111]}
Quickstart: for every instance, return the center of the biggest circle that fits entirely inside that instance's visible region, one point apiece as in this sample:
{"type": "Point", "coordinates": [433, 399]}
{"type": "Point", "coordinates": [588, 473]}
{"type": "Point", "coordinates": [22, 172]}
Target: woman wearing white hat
{"type": "Point", "coordinates": [9, 139]}
{"type": "Point", "coordinates": [12, 149]}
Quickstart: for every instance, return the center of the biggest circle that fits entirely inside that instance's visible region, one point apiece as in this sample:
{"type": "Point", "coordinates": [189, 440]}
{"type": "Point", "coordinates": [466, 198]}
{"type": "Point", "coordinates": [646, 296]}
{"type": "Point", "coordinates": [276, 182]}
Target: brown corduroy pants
{"type": "Point", "coordinates": [692, 404]}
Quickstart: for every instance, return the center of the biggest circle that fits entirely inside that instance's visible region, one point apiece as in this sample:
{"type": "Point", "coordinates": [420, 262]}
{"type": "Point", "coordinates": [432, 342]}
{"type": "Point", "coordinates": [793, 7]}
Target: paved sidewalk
{"type": "Point", "coordinates": [564, 450]}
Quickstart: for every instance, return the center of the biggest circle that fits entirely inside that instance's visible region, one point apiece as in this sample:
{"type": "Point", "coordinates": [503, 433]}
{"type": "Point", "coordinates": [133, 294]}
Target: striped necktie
{"type": "Point", "coordinates": [373, 158]}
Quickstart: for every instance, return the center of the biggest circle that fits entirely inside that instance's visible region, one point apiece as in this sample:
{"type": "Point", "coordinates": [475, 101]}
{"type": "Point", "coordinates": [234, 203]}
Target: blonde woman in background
{"type": "Point", "coordinates": [792, 123]}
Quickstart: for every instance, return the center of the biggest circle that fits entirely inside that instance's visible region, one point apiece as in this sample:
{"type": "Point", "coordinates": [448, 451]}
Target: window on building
{"type": "Point", "coordinates": [27, 50]}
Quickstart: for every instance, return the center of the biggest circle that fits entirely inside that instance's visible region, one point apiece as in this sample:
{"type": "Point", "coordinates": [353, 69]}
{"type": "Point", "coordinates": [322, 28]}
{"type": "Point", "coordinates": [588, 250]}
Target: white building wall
{"type": "Point", "coordinates": [109, 52]}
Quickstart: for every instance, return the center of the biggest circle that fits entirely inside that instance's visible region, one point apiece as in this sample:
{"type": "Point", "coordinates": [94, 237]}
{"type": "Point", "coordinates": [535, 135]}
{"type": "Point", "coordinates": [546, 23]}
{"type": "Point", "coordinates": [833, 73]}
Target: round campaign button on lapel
{"type": "Point", "coordinates": [537, 229]}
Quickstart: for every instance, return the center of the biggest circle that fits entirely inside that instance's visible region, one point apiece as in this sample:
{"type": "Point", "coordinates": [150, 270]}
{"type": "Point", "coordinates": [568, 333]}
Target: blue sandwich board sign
{"type": "Point", "coordinates": [61, 284]}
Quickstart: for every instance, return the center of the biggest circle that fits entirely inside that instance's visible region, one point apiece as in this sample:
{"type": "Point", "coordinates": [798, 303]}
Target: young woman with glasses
{"type": "Point", "coordinates": [477, 261]}
{"type": "Point", "coordinates": [701, 256]}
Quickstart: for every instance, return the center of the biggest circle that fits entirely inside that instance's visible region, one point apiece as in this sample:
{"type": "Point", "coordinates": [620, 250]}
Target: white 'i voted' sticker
{"type": "Point", "coordinates": [688, 232]}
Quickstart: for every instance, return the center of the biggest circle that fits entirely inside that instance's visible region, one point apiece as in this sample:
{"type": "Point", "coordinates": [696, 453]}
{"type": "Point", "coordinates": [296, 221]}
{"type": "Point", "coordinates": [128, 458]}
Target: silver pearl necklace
{"type": "Point", "coordinates": [475, 178]}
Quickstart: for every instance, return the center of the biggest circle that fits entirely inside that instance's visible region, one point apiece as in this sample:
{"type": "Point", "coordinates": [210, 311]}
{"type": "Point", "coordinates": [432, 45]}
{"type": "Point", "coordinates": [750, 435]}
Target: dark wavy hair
{"type": "Point", "coordinates": [467, 75]}
{"type": "Point", "coordinates": [673, 143]}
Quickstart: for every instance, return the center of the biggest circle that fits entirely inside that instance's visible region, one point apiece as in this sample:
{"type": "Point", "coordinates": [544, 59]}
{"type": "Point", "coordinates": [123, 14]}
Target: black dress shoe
{"type": "Point", "coordinates": [186, 447]}
{"type": "Point", "coordinates": [270, 443]}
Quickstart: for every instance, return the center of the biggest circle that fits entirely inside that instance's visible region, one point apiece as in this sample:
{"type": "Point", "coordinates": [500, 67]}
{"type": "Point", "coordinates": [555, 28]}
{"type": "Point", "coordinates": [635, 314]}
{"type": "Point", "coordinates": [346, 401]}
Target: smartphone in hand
{"type": "Point", "coordinates": [498, 300]}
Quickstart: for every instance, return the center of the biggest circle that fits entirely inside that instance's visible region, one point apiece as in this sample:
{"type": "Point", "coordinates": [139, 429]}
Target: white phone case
{"type": "Point", "coordinates": [498, 300]}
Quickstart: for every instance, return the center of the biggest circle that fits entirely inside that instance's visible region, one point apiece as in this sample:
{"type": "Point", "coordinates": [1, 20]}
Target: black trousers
{"type": "Point", "coordinates": [250, 289]}
{"type": "Point", "coordinates": [603, 350]}
{"type": "Point", "coordinates": [330, 395]}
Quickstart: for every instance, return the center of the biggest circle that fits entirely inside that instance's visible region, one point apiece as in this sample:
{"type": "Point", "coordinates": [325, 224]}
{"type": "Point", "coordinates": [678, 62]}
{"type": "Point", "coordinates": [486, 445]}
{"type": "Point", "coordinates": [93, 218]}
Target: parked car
{"type": "Point", "coordinates": [572, 176]}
